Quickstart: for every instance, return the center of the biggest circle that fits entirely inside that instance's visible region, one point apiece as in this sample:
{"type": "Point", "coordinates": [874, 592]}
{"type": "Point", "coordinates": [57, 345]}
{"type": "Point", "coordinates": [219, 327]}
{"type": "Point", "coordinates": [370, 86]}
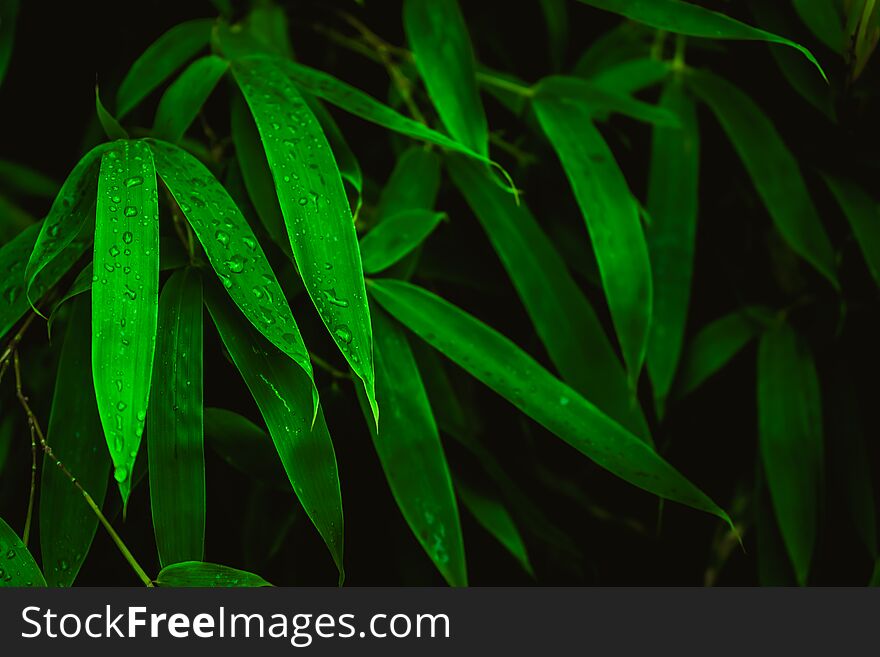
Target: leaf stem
{"type": "Point", "coordinates": [507, 85]}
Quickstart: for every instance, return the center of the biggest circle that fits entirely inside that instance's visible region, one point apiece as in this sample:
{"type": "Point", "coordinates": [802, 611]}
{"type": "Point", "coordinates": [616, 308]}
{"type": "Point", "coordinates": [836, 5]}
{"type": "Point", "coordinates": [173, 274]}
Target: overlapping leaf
{"type": "Point", "coordinates": [198, 574]}
{"type": "Point", "coordinates": [182, 101]}
{"type": "Point", "coordinates": [397, 236]}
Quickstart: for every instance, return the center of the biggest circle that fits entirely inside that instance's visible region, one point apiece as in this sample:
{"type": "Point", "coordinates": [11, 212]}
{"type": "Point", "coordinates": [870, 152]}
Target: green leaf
{"type": "Point", "coordinates": [198, 574]}
{"type": "Point", "coordinates": [716, 344]}
{"type": "Point", "coordinates": [863, 213]}
{"type": "Point", "coordinates": [71, 211]}
{"type": "Point", "coordinates": [772, 168]}
{"type": "Point", "coordinates": [790, 438]}
{"type": "Point", "coordinates": [183, 100]}
{"type": "Point", "coordinates": [397, 236]}
{"type": "Point", "coordinates": [283, 394]}
{"type": "Point", "coordinates": [125, 299]}
{"type": "Point", "coordinates": [556, 16]}
{"type": "Point", "coordinates": [408, 445]}
{"type": "Point", "coordinates": [349, 167]}
{"type": "Point", "coordinates": [513, 374]}
{"type": "Point", "coordinates": [20, 179]}
{"type": "Point", "coordinates": [175, 433]}
{"type": "Point", "coordinates": [612, 217]}
{"type": "Point", "coordinates": [8, 15]}
{"type": "Point", "coordinates": [18, 567]}
{"type": "Point", "coordinates": [158, 62]}
{"type": "Point", "coordinates": [244, 446]}
{"type": "Point", "coordinates": [563, 317]}
{"type": "Point", "coordinates": [67, 524]}
{"type": "Point", "coordinates": [824, 20]}
{"type": "Point", "coordinates": [672, 203]}
{"type": "Point", "coordinates": [774, 566]}
{"type": "Point", "coordinates": [413, 184]}
{"type": "Point", "coordinates": [444, 57]}
{"type": "Point", "coordinates": [631, 76]}
{"type": "Point", "coordinates": [111, 126]}
{"type": "Point", "coordinates": [315, 209]}
{"type": "Point", "coordinates": [233, 250]}
{"type": "Point", "coordinates": [616, 46]}
{"type": "Point", "coordinates": [693, 20]}
{"type": "Point", "coordinates": [494, 517]}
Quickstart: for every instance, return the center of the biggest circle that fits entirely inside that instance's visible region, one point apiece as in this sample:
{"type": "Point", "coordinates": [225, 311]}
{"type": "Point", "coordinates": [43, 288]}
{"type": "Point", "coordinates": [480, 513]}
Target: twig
{"type": "Point", "coordinates": [47, 450]}
{"type": "Point", "coordinates": [327, 367]}
{"type": "Point", "coordinates": [14, 342]}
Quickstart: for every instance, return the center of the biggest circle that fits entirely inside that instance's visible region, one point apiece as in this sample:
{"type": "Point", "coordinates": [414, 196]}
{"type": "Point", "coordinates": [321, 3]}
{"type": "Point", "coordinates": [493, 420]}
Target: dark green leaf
{"type": "Point", "coordinates": [625, 42]}
{"type": "Point", "coordinates": [824, 20]}
{"type": "Point", "coordinates": [175, 434]}
{"type": "Point", "coordinates": [508, 370]}
{"type": "Point", "coordinates": [397, 236]}
{"type": "Point", "coordinates": [125, 299]}
{"type": "Point", "coordinates": [244, 446]}
{"type": "Point", "coordinates": [18, 567]}
{"type": "Point", "coordinates": [22, 180]}
{"type": "Point", "coordinates": [413, 184]}
{"type": "Point", "coordinates": [198, 574]}
{"type": "Point", "coordinates": [108, 122]}
{"type": "Point", "coordinates": [631, 76]}
{"type": "Point", "coordinates": [183, 100]}
{"type": "Point", "coordinates": [8, 14]}
{"type": "Point", "coordinates": [556, 16]}
{"type": "Point", "coordinates": [863, 213]}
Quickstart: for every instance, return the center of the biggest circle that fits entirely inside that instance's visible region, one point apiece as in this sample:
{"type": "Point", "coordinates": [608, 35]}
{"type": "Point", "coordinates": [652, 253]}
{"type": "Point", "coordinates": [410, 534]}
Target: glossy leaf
{"type": "Point", "coordinates": [233, 250]}
{"type": "Point", "coordinates": [283, 394]}
{"type": "Point", "coordinates": [863, 213]}
{"type": "Point", "coordinates": [563, 317]}
{"type": "Point", "coordinates": [408, 445]}
{"type": "Point", "coordinates": [315, 209]}
{"type": "Point", "coordinates": [509, 371]}
{"type": "Point", "coordinates": [692, 20]}
{"type": "Point", "coordinates": [175, 431]}
{"type": "Point", "coordinates": [349, 167]}
{"type": "Point", "coordinates": [397, 236]}
{"type": "Point", "coordinates": [824, 20]}
{"type": "Point", "coordinates": [673, 196]}
{"type": "Point", "coordinates": [199, 574]}
{"type": "Point", "coordinates": [244, 446]}
{"type": "Point", "coordinates": [18, 567]}
{"type": "Point", "coordinates": [183, 100]}
{"type": "Point", "coordinates": [612, 218]}
{"type": "Point", "coordinates": [772, 168]}
{"type": "Point", "coordinates": [158, 62]}
{"type": "Point", "coordinates": [125, 300]}
{"type": "Point", "coordinates": [67, 524]}
{"type": "Point", "coordinates": [790, 438]}
{"type": "Point", "coordinates": [444, 57]}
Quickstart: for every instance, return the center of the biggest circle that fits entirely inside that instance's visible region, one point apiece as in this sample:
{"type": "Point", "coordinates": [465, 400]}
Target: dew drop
{"type": "Point", "coordinates": [343, 333]}
{"type": "Point", "coordinates": [127, 237]}
{"type": "Point", "coordinates": [114, 251]}
{"type": "Point", "coordinates": [120, 474]}
{"type": "Point", "coordinates": [222, 237]}
{"type": "Point", "coordinates": [235, 264]}
{"type": "Point", "coordinates": [134, 181]}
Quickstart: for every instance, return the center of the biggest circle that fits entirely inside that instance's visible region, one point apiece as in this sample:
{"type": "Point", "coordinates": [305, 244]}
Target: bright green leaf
{"type": "Point", "coordinates": [183, 100]}
{"type": "Point", "coordinates": [397, 236]}
{"type": "Point", "coordinates": [19, 569]}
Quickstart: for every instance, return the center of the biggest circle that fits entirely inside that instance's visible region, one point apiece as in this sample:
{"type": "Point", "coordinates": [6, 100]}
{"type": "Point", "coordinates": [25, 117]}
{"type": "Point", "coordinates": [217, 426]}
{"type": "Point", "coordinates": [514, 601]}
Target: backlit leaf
{"type": "Point", "coordinates": [183, 100]}
{"type": "Point", "coordinates": [19, 569]}
{"type": "Point", "coordinates": [125, 299]}
{"type": "Point", "coordinates": [397, 236]}
{"type": "Point", "coordinates": [349, 167]}
{"type": "Point", "coordinates": [198, 574]}
{"type": "Point", "coordinates": [175, 433]}
{"type": "Point", "coordinates": [863, 213]}
{"type": "Point", "coordinates": [509, 371]}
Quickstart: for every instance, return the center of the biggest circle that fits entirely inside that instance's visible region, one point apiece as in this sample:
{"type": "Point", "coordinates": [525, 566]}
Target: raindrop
{"type": "Point", "coordinates": [120, 474]}
{"type": "Point", "coordinates": [127, 237]}
{"type": "Point", "coordinates": [114, 251]}
{"type": "Point", "coordinates": [235, 264]}
{"type": "Point", "coordinates": [134, 181]}
{"type": "Point", "coordinates": [222, 237]}
{"type": "Point", "coordinates": [343, 333]}
{"type": "Point", "coordinates": [131, 294]}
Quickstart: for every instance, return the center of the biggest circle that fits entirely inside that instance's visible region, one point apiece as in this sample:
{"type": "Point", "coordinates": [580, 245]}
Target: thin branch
{"type": "Point", "coordinates": [14, 342]}
{"type": "Point", "coordinates": [327, 367]}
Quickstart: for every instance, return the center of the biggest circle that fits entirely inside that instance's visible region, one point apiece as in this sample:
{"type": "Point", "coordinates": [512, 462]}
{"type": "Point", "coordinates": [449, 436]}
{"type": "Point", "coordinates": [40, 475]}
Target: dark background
{"type": "Point", "coordinates": [47, 116]}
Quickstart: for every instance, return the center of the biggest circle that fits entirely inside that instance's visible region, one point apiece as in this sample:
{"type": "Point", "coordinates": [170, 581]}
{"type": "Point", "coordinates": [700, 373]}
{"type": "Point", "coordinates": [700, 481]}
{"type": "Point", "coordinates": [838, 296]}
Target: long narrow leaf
{"type": "Point", "coordinates": [396, 237]}
{"type": "Point", "coordinates": [824, 20]}
{"type": "Point", "coordinates": [17, 567]}
{"type": "Point", "coordinates": [183, 100]}
{"type": "Point", "coordinates": [198, 574]}
{"type": "Point", "coordinates": [413, 184]}
{"type": "Point", "coordinates": [244, 446]}
{"type": "Point", "coordinates": [863, 213]}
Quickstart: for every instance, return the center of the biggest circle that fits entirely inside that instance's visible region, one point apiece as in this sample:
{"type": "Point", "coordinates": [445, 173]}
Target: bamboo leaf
{"type": "Point", "coordinates": [8, 15]}
{"type": "Point", "coordinates": [672, 203]}
{"type": "Point", "coordinates": [863, 214]}
{"type": "Point", "coordinates": [67, 524]}
{"type": "Point", "coordinates": [175, 432]}
{"type": "Point", "coordinates": [556, 16]}
{"type": "Point", "coordinates": [315, 209]}
{"type": "Point", "coordinates": [198, 574]}
{"type": "Point", "coordinates": [444, 57]}
{"type": "Point", "coordinates": [244, 446]}
{"type": "Point", "coordinates": [772, 168]}
{"type": "Point", "coordinates": [396, 237]}
{"type": "Point", "coordinates": [494, 517]}
{"type": "Point", "coordinates": [111, 126]}
{"type": "Point", "coordinates": [283, 394]}
{"type": "Point", "coordinates": [233, 250]}
{"type": "Point", "coordinates": [22, 180]}
{"type": "Point", "coordinates": [408, 445]}
{"type": "Point", "coordinates": [349, 167]}
{"type": "Point", "coordinates": [631, 76]}
{"type": "Point", "coordinates": [824, 20]}
{"type": "Point", "coordinates": [159, 61]}
{"type": "Point", "coordinates": [622, 43]}
{"type": "Point", "coordinates": [693, 20]}
{"type": "Point", "coordinates": [183, 100]}
{"type": "Point", "coordinates": [509, 371]}
{"type": "Point", "coordinates": [125, 300]}
{"type": "Point", "coordinates": [612, 218]}
{"type": "Point", "coordinates": [774, 566]}
{"type": "Point", "coordinates": [790, 437]}
{"type": "Point", "coordinates": [563, 317]}
{"type": "Point", "coordinates": [18, 566]}
{"type": "Point", "coordinates": [413, 184]}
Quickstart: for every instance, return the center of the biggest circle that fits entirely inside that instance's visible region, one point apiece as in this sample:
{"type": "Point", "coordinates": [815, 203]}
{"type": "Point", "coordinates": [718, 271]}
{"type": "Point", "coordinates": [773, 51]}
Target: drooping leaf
{"type": "Point", "coordinates": [790, 438]}
{"type": "Point", "coordinates": [283, 394]}
{"type": "Point", "coordinates": [491, 513]}
{"type": "Point", "coordinates": [111, 126]}
{"type": "Point", "coordinates": [175, 432]}
{"type": "Point", "coordinates": [349, 167]}
{"type": "Point", "coordinates": [21, 180]}
{"type": "Point", "coordinates": [563, 317]}
{"type": "Point", "coordinates": [233, 250]}
{"type": "Point", "coordinates": [672, 203]}
{"type": "Point", "coordinates": [716, 344]}
{"type": "Point", "coordinates": [71, 213]}
{"type": "Point", "coordinates": [408, 445]}
{"type": "Point", "coordinates": [183, 100]}
{"type": "Point", "coordinates": [824, 20]}
{"type": "Point", "coordinates": [125, 299]}
{"type": "Point", "coordinates": [158, 62]}
{"type": "Point", "coordinates": [692, 20]}
{"type": "Point", "coordinates": [413, 184]}
{"type": "Point", "coordinates": [504, 367]}
{"type": "Point", "coordinates": [612, 218]}
{"type": "Point", "coordinates": [18, 566]}
{"type": "Point", "coordinates": [444, 57]}
{"type": "Point", "coordinates": [556, 16]}
{"type": "Point", "coordinates": [772, 168]}
{"type": "Point", "coordinates": [199, 574]}
{"type": "Point", "coordinates": [863, 213]}
{"type": "Point", "coordinates": [397, 236]}
{"type": "Point", "coordinates": [67, 524]}
{"type": "Point", "coordinates": [8, 15]}
{"type": "Point", "coordinates": [244, 446]}
{"type": "Point", "coordinates": [315, 208]}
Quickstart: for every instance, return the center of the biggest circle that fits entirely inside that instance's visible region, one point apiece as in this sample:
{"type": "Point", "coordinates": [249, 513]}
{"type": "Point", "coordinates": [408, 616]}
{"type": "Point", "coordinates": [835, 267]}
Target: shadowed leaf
{"type": "Point", "coordinates": [397, 236]}
{"type": "Point", "coordinates": [198, 574]}
{"type": "Point", "coordinates": [183, 100]}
